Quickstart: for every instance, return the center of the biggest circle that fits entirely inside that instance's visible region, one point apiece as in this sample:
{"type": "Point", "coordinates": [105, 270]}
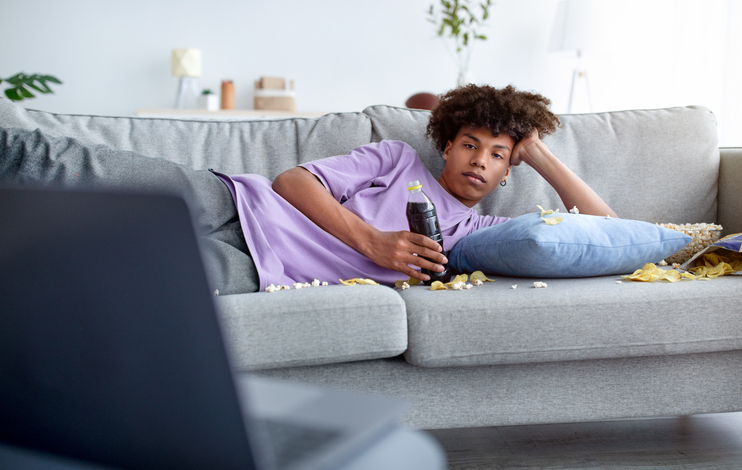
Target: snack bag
{"type": "Point", "coordinates": [729, 247]}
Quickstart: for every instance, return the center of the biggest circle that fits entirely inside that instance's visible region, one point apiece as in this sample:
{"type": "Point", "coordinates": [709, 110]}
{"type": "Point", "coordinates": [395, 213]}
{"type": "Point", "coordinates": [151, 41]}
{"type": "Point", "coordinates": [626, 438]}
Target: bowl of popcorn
{"type": "Point", "coordinates": [703, 235]}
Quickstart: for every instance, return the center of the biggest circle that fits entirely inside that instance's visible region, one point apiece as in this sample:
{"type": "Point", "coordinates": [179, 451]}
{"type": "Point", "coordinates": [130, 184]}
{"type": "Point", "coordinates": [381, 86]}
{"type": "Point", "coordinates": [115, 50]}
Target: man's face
{"type": "Point", "coordinates": [476, 162]}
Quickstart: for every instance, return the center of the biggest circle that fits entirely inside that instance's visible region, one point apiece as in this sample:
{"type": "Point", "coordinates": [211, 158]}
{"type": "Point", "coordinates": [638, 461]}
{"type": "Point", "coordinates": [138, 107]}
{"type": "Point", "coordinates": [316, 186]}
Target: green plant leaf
{"type": "Point", "coordinates": [482, 37]}
{"type": "Point", "coordinates": [12, 93]}
{"type": "Point", "coordinates": [50, 78]}
{"type": "Point", "coordinates": [24, 92]}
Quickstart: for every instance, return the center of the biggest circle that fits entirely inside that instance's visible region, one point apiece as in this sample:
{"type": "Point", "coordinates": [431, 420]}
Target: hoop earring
{"type": "Point", "coordinates": [503, 183]}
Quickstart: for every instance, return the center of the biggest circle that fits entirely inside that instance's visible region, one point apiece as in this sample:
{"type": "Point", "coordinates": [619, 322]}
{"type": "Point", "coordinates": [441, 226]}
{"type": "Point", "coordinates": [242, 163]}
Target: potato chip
{"type": "Point", "coordinates": [671, 275]}
{"type": "Point", "coordinates": [358, 280]}
{"type": "Point", "coordinates": [479, 276]}
{"type": "Point", "coordinates": [459, 279]}
{"type": "Point", "coordinates": [438, 285]}
{"type": "Point", "coordinates": [544, 211]}
{"type": "Point", "coordinates": [552, 220]}
{"type": "Point", "coordinates": [413, 281]}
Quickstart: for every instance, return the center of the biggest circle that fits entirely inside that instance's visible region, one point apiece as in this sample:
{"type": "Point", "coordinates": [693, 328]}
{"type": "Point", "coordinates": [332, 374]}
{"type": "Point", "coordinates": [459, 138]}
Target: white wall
{"type": "Point", "coordinates": [114, 56]}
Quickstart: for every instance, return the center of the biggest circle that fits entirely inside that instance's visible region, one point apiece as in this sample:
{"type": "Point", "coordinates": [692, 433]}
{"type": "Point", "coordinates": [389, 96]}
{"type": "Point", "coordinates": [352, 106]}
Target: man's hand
{"type": "Point", "coordinates": [399, 250]}
{"type": "Point", "coordinates": [526, 148]}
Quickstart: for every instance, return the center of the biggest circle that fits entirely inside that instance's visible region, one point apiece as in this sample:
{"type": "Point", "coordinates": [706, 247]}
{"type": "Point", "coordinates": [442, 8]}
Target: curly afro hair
{"type": "Point", "coordinates": [516, 113]}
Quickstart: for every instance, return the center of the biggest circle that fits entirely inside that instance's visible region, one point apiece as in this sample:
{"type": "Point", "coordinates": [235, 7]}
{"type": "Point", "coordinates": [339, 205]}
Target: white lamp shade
{"type": "Point", "coordinates": [186, 62]}
{"type": "Point", "coordinates": [581, 25]}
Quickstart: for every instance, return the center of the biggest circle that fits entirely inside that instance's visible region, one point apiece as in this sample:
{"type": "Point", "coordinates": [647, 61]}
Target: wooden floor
{"type": "Point", "coordinates": [686, 442]}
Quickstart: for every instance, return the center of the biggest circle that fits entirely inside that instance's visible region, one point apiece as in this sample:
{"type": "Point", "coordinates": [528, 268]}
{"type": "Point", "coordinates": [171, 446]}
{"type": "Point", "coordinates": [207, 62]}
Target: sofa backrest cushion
{"type": "Point", "coordinates": [266, 147]}
{"type": "Point", "coordinates": [653, 165]}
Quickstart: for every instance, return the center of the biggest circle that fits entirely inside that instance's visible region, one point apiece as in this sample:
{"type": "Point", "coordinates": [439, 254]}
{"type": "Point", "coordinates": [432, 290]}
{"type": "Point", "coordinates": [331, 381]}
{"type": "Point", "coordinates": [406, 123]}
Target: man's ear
{"type": "Point", "coordinates": [449, 144]}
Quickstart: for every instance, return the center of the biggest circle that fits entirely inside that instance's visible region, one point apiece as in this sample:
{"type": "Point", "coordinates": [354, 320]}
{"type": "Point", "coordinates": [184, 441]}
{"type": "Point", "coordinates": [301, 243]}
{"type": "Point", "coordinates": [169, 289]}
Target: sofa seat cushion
{"type": "Point", "coordinates": [570, 319]}
{"type": "Point", "coordinates": [265, 147]}
{"type": "Point", "coordinates": [314, 325]}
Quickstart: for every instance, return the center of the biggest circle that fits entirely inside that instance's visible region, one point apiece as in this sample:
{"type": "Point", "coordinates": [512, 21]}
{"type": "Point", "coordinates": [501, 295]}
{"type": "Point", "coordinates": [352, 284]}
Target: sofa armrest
{"type": "Point", "coordinates": [729, 213]}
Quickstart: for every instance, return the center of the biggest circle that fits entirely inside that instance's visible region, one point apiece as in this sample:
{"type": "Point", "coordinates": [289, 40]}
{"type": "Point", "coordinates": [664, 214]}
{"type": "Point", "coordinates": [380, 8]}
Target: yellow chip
{"type": "Point", "coordinates": [412, 281]}
{"type": "Point", "coordinates": [358, 280]}
{"type": "Point", "coordinates": [438, 285]}
{"type": "Point", "coordinates": [459, 278]}
{"type": "Point", "coordinates": [688, 276]}
{"type": "Point", "coordinates": [479, 276]}
{"type": "Point", "coordinates": [552, 220]}
{"type": "Point", "coordinates": [544, 211]}
{"type": "Point", "coordinates": [671, 275]}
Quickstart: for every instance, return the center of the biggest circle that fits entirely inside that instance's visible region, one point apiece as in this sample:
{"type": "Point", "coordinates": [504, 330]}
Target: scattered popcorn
{"type": "Point", "coordinates": [405, 286]}
{"type": "Point", "coordinates": [619, 282]}
{"type": "Point", "coordinates": [325, 283]}
{"type": "Point", "coordinates": [514, 286]}
{"type": "Point", "coordinates": [458, 286]}
{"type": "Point", "coordinates": [468, 286]}
{"type": "Point", "coordinates": [306, 284]}
{"type": "Point", "coordinates": [662, 263]}
{"type": "Point", "coordinates": [478, 282]}
{"type": "Point", "coordinates": [315, 283]}
{"type": "Point", "coordinates": [608, 216]}
{"type": "Point", "coordinates": [271, 288]}
{"type": "Point", "coordinates": [298, 285]}
{"type": "Point", "coordinates": [675, 265]}
{"type": "Point", "coordinates": [574, 210]}
{"type": "Point", "coordinates": [539, 285]}
{"type": "Point", "coordinates": [285, 287]}
{"type": "Point", "coordinates": [216, 293]}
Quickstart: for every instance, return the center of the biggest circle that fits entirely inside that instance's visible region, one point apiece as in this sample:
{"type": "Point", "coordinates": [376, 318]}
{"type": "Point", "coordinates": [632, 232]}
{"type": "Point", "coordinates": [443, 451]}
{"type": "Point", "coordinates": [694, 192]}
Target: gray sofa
{"type": "Point", "coordinates": [579, 350]}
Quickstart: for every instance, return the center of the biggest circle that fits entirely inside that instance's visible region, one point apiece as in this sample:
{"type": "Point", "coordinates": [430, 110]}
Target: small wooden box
{"type": "Point", "coordinates": [278, 103]}
{"type": "Point", "coordinates": [272, 83]}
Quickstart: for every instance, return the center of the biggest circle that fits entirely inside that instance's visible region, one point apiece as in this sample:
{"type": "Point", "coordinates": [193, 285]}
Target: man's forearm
{"type": "Point", "coordinates": [305, 192]}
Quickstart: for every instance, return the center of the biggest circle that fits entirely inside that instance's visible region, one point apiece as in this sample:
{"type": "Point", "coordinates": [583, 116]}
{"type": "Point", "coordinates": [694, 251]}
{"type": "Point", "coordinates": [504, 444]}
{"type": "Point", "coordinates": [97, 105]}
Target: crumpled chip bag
{"type": "Point", "coordinates": [718, 259]}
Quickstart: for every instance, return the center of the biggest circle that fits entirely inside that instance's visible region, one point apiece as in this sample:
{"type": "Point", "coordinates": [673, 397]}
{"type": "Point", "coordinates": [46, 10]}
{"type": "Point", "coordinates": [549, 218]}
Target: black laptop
{"type": "Point", "coordinates": [111, 350]}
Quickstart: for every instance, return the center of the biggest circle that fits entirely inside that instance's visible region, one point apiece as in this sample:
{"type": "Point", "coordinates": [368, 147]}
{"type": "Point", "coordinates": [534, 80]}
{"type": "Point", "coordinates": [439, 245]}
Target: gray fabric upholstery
{"type": "Point", "coordinates": [554, 392]}
{"type": "Point", "coordinates": [631, 158]}
{"type": "Point", "coordinates": [231, 147]}
{"type": "Point", "coordinates": [313, 325]}
{"type": "Point", "coordinates": [730, 190]}
{"type": "Point", "coordinates": [571, 319]}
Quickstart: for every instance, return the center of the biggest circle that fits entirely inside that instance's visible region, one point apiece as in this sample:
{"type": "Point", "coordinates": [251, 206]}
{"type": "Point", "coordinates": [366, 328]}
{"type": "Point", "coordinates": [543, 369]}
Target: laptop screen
{"type": "Point", "coordinates": [110, 348]}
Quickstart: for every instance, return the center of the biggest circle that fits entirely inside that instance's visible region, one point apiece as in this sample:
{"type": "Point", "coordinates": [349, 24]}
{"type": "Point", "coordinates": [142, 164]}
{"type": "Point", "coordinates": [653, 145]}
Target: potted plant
{"type": "Point", "coordinates": [460, 22]}
{"type": "Point", "coordinates": [208, 100]}
{"type": "Point", "coordinates": [20, 84]}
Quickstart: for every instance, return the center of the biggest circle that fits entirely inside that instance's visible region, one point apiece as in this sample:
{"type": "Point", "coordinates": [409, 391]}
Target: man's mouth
{"type": "Point", "coordinates": [474, 175]}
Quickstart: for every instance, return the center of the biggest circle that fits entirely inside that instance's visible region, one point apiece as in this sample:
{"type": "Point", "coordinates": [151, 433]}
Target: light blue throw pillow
{"type": "Point", "coordinates": [579, 246]}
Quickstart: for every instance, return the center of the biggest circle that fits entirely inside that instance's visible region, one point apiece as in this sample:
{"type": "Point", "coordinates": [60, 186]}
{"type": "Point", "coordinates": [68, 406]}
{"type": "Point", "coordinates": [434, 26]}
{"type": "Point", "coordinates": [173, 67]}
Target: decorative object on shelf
{"type": "Point", "coordinates": [461, 22]}
{"type": "Point", "coordinates": [579, 26]}
{"type": "Point", "coordinates": [208, 100]}
{"type": "Point", "coordinates": [20, 83]}
{"type": "Point", "coordinates": [274, 93]}
{"type": "Point", "coordinates": [422, 101]}
{"type": "Point", "coordinates": [227, 94]}
{"type": "Point", "coordinates": [186, 64]}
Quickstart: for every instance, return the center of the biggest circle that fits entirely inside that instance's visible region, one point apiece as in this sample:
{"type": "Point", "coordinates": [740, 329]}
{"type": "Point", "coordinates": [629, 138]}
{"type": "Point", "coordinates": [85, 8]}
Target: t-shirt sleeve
{"type": "Point", "coordinates": [345, 175]}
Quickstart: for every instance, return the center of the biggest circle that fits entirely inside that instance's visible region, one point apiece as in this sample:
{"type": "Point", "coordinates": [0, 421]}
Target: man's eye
{"type": "Point", "coordinates": [469, 146]}
{"type": "Point", "coordinates": [497, 155]}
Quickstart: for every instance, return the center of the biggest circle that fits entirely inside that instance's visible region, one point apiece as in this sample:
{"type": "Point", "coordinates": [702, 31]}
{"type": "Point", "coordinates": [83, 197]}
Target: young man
{"type": "Point", "coordinates": [339, 217]}
{"type": "Point", "coordinates": [344, 216]}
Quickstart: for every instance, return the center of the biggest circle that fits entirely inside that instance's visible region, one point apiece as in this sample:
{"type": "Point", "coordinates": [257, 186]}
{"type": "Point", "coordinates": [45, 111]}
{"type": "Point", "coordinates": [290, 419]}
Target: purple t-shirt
{"type": "Point", "coordinates": [371, 181]}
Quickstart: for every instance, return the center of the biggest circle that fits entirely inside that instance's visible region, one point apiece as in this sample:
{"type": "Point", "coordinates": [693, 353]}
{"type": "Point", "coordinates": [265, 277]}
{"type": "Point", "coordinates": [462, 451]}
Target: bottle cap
{"type": "Point", "coordinates": [414, 185]}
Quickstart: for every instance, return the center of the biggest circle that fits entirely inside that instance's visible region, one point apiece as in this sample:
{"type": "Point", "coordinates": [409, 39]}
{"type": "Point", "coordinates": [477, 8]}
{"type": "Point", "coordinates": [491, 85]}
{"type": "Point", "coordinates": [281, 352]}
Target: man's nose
{"type": "Point", "coordinates": [479, 159]}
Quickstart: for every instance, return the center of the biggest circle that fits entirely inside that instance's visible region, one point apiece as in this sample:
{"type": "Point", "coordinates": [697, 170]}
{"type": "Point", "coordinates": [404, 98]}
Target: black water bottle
{"type": "Point", "coordinates": [423, 219]}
